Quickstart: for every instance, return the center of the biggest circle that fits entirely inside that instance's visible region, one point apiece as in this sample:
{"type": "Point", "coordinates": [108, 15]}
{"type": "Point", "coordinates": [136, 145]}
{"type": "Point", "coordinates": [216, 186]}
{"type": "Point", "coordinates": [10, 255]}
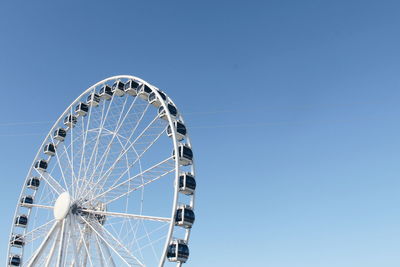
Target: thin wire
{"type": "Point", "coordinates": [25, 123]}
{"type": "Point", "coordinates": [261, 124]}
{"type": "Point", "coordinates": [305, 106]}
{"type": "Point", "coordinates": [25, 134]}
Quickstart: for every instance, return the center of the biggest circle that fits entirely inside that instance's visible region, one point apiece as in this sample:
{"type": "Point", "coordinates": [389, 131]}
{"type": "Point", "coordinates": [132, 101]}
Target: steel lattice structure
{"type": "Point", "coordinates": [113, 183]}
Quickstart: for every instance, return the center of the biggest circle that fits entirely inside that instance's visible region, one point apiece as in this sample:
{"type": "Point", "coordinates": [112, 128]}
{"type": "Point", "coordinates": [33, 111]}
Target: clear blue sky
{"type": "Point", "coordinates": [293, 108]}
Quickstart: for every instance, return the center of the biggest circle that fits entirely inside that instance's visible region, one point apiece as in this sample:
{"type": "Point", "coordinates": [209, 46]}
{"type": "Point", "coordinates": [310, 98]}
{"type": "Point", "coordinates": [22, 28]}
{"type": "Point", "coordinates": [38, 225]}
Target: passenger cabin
{"type": "Point", "coordinates": [21, 221]}
{"type": "Point", "coordinates": [17, 240]}
{"type": "Point", "coordinates": [163, 114]}
{"type": "Point", "coordinates": [106, 92]}
{"type": "Point", "coordinates": [14, 260]}
{"type": "Point", "coordinates": [154, 100]}
{"type": "Point", "coordinates": [185, 155]}
{"type": "Point", "coordinates": [49, 149]}
{"type": "Point", "coordinates": [26, 201]}
{"type": "Point", "coordinates": [70, 121]}
{"type": "Point", "coordinates": [178, 251]}
{"type": "Point", "coordinates": [144, 92]}
{"type": "Point", "coordinates": [187, 184]}
{"type": "Point", "coordinates": [180, 130]}
{"type": "Point", "coordinates": [41, 165]}
{"type": "Point", "coordinates": [60, 134]}
{"type": "Point", "coordinates": [132, 87]}
{"type": "Point", "coordinates": [101, 218]}
{"type": "Point", "coordinates": [118, 88]}
{"type": "Point", "coordinates": [33, 183]}
{"type": "Point", "coordinates": [184, 216]}
{"type": "Point", "coordinates": [93, 100]}
{"type": "Point", "coordinates": [82, 109]}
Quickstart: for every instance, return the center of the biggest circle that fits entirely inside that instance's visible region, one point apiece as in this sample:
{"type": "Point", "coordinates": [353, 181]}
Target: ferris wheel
{"type": "Point", "coordinates": [113, 183]}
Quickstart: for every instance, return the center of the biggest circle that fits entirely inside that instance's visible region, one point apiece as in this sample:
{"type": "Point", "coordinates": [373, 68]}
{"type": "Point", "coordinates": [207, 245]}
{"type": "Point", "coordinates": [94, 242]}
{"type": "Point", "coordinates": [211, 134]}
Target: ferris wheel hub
{"type": "Point", "coordinates": [62, 206]}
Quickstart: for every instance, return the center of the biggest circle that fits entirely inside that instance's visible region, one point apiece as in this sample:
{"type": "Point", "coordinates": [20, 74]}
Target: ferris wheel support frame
{"type": "Point", "coordinates": [58, 188]}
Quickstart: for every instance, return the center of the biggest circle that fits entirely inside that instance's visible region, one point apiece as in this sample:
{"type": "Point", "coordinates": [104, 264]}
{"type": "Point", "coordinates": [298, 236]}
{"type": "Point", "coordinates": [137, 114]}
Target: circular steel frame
{"type": "Point", "coordinates": [176, 143]}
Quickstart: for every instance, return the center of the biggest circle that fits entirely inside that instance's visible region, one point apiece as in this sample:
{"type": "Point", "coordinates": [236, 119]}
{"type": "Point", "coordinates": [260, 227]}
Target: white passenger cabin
{"type": "Point", "coordinates": [144, 92]}
{"type": "Point", "coordinates": [132, 87]}
{"type": "Point", "coordinates": [154, 99]}
{"type": "Point", "coordinates": [180, 130]}
{"type": "Point", "coordinates": [118, 88]}
{"type": "Point", "coordinates": [93, 100]}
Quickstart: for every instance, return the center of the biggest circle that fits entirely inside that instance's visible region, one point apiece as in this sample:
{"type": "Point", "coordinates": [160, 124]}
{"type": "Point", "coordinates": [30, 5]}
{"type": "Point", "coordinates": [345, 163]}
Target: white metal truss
{"type": "Point", "coordinates": [116, 164]}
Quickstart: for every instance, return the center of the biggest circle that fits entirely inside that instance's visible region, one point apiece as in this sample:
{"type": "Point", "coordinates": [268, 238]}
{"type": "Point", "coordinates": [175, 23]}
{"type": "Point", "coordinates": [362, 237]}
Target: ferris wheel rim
{"type": "Point", "coordinates": [175, 147]}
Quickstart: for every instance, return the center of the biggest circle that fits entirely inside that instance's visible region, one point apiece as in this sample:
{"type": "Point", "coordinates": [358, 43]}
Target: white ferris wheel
{"type": "Point", "coordinates": [113, 183]}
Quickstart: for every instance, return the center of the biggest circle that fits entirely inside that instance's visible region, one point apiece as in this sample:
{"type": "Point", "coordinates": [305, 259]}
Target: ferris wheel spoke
{"type": "Point", "coordinates": [83, 245]}
{"type": "Point", "coordinates": [85, 137]}
{"type": "Point", "coordinates": [137, 187]}
{"type": "Point", "coordinates": [104, 253]}
{"type": "Point", "coordinates": [83, 146]}
{"type": "Point", "coordinates": [123, 149]}
{"type": "Point", "coordinates": [128, 166]}
{"type": "Point", "coordinates": [147, 235]}
{"type": "Point", "coordinates": [150, 241]}
{"type": "Point", "coordinates": [86, 245]}
{"type": "Point", "coordinates": [161, 227]}
{"type": "Point", "coordinates": [146, 177]}
{"type": "Point", "coordinates": [87, 143]}
{"type": "Point", "coordinates": [97, 139]}
{"type": "Point", "coordinates": [150, 175]}
{"type": "Point", "coordinates": [39, 252]}
{"type": "Point", "coordinates": [137, 160]}
{"type": "Point", "coordinates": [74, 180]}
{"type": "Point", "coordinates": [51, 182]}
{"type": "Point", "coordinates": [64, 154]}
{"type": "Point", "coordinates": [139, 240]}
{"type": "Point", "coordinates": [77, 250]}
{"type": "Point", "coordinates": [127, 147]}
{"type": "Point", "coordinates": [38, 232]}
{"type": "Point", "coordinates": [99, 251]}
{"type": "Point", "coordinates": [135, 239]}
{"type": "Point", "coordinates": [116, 130]}
{"type": "Point", "coordinates": [46, 196]}
{"type": "Point", "coordinates": [74, 241]}
{"type": "Point", "coordinates": [129, 216]}
{"type": "Point", "coordinates": [50, 255]}
{"type": "Point", "coordinates": [69, 163]}
{"type": "Point", "coordinates": [61, 250]}
{"type": "Point", "coordinates": [107, 174]}
{"type": "Point", "coordinates": [114, 244]}
{"type": "Point", "coordinates": [107, 251]}
{"type": "Point", "coordinates": [101, 126]}
{"type": "Point", "coordinates": [38, 206]}
{"type": "Point", "coordinates": [59, 163]}
{"type": "Point", "coordinates": [134, 226]}
{"type": "Point", "coordinates": [71, 150]}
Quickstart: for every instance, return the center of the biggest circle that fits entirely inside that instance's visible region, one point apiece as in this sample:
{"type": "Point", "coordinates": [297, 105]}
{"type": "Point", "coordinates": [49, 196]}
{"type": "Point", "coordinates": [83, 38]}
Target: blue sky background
{"type": "Point", "coordinates": [293, 108]}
